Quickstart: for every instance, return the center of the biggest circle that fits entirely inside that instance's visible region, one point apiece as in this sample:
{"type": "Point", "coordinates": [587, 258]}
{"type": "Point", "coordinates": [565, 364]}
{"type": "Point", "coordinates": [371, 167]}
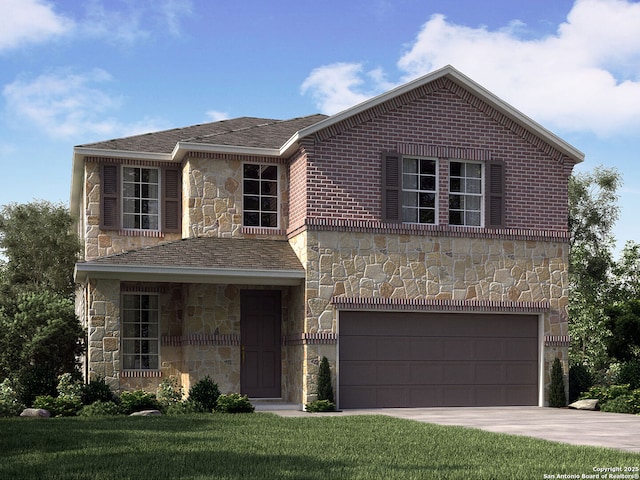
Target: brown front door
{"type": "Point", "coordinates": [260, 317]}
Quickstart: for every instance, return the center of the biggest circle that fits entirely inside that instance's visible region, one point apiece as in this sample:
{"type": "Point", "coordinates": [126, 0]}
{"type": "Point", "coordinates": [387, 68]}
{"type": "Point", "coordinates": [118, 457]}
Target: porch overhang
{"type": "Point", "coordinates": [166, 274]}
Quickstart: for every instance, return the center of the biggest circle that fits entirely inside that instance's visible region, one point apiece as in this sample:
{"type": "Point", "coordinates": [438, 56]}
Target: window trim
{"type": "Point", "coordinates": [482, 195]}
{"type": "Point", "coordinates": [436, 192]}
{"type": "Point", "coordinates": [159, 199]}
{"type": "Point", "coordinates": [278, 196]}
{"type": "Point", "coordinates": [123, 338]}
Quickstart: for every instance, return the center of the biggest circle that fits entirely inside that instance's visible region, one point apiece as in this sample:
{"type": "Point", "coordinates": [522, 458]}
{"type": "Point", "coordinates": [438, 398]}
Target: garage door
{"type": "Point", "coordinates": [398, 359]}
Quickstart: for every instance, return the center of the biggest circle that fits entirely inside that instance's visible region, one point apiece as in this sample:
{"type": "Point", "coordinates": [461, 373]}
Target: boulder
{"type": "Point", "coordinates": [35, 413]}
{"type": "Point", "coordinates": [146, 413]}
{"type": "Point", "coordinates": [587, 404]}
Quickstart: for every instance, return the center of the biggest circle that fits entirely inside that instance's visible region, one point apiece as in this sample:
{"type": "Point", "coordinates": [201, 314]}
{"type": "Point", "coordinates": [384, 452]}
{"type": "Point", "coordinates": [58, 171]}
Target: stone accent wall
{"type": "Point", "coordinates": [212, 195]}
{"type": "Point", "coordinates": [99, 243]}
{"type": "Point", "coordinates": [389, 266]}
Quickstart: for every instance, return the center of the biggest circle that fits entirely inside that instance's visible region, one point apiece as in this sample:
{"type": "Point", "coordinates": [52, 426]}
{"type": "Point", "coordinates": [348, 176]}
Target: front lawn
{"type": "Point", "coordinates": [264, 446]}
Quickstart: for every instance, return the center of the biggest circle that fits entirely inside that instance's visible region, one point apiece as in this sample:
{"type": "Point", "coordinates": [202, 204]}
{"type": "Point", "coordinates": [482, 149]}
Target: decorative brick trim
{"type": "Point", "coordinates": [131, 161]}
{"type": "Point", "coordinates": [262, 231]}
{"type": "Point", "coordinates": [140, 373]}
{"type": "Point", "coordinates": [368, 226]}
{"type": "Point", "coordinates": [199, 339]}
{"type": "Point", "coordinates": [439, 151]}
{"type": "Point", "coordinates": [135, 288]}
{"type": "Point", "coordinates": [423, 304]}
{"type": "Point", "coordinates": [141, 233]}
{"type": "Point", "coordinates": [231, 156]}
{"type": "Point", "coordinates": [324, 338]}
{"type": "Point", "coordinates": [557, 340]}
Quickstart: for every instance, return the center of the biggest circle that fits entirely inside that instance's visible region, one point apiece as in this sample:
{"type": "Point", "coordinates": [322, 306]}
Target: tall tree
{"type": "Point", "coordinates": [593, 211]}
{"type": "Point", "coordinates": [40, 247]}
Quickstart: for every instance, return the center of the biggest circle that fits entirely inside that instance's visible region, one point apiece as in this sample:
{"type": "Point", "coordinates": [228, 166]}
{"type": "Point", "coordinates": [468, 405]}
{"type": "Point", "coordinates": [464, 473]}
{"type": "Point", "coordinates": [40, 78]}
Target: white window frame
{"type": "Point", "coordinates": [277, 196]}
{"type": "Point", "coordinates": [123, 353]}
{"type": "Point", "coordinates": [124, 214]}
{"type": "Point", "coordinates": [418, 191]}
{"type": "Point", "coordinates": [480, 195]}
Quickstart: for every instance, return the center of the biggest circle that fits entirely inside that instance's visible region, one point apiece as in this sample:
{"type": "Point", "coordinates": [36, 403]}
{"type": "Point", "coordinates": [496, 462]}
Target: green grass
{"type": "Point", "coordinates": [264, 446]}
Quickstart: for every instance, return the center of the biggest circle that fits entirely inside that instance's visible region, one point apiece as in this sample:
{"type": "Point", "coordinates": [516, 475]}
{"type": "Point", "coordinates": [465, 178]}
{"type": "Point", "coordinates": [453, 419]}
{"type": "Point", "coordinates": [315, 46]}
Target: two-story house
{"type": "Point", "coordinates": [418, 240]}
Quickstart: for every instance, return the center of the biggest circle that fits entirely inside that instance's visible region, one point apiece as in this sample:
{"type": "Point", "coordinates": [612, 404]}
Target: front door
{"type": "Point", "coordinates": [260, 318]}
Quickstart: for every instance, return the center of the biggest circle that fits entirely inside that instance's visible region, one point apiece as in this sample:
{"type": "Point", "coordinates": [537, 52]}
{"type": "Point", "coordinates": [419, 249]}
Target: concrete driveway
{"type": "Point", "coordinates": [577, 427]}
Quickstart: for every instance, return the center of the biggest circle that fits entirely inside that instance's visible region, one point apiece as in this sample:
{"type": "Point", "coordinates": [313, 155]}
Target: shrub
{"type": "Point", "coordinates": [58, 406]}
{"type": "Point", "coordinates": [606, 394]}
{"type": "Point", "coordinates": [100, 408]}
{"type": "Point", "coordinates": [557, 395]}
{"type": "Point", "coordinates": [325, 390]}
{"type": "Point", "coordinates": [628, 403]}
{"type": "Point", "coordinates": [9, 404]}
{"type": "Point", "coordinates": [184, 408]}
{"type": "Point", "coordinates": [169, 393]}
{"type": "Point", "coordinates": [320, 406]}
{"type": "Point", "coordinates": [580, 380]}
{"type": "Point", "coordinates": [630, 373]}
{"type": "Point", "coordinates": [137, 401]}
{"type": "Point", "coordinates": [69, 387]}
{"type": "Point", "coordinates": [97, 390]}
{"type": "Point", "coordinates": [205, 392]}
{"type": "Point", "coordinates": [234, 403]}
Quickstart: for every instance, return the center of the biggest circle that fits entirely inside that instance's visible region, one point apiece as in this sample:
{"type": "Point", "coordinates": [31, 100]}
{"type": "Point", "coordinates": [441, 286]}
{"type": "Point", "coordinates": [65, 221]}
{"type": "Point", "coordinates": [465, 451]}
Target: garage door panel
{"type": "Point", "coordinates": [399, 359]}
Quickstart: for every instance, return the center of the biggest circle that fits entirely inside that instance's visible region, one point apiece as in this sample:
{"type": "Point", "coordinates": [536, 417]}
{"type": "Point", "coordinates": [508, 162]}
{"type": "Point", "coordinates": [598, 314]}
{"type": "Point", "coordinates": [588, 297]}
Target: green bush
{"type": "Point", "coordinates": [580, 380]}
{"type": "Point", "coordinates": [557, 396]}
{"type": "Point", "coordinates": [630, 373]}
{"type": "Point", "coordinates": [606, 393]}
{"type": "Point", "coordinates": [320, 406]}
{"type": "Point", "coordinates": [169, 393]}
{"type": "Point", "coordinates": [58, 406]}
{"type": "Point", "coordinates": [205, 393]}
{"type": "Point", "coordinates": [69, 386]}
{"type": "Point", "coordinates": [325, 390]}
{"type": "Point", "coordinates": [628, 403]}
{"type": "Point", "coordinates": [97, 390]}
{"type": "Point", "coordinates": [137, 401]}
{"type": "Point", "coordinates": [234, 403]}
{"type": "Point", "coordinates": [100, 408]}
{"type": "Point", "coordinates": [184, 408]}
{"type": "Point", "coordinates": [9, 404]}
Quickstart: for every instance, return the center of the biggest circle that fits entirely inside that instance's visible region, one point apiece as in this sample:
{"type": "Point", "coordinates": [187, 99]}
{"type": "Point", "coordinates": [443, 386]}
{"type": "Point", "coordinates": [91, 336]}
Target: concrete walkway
{"type": "Point", "coordinates": [599, 429]}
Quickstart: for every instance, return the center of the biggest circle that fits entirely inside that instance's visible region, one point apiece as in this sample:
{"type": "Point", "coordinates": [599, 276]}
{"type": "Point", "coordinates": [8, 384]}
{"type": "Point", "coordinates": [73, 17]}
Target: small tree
{"type": "Point", "coordinates": [557, 395]}
{"type": "Point", "coordinates": [325, 389]}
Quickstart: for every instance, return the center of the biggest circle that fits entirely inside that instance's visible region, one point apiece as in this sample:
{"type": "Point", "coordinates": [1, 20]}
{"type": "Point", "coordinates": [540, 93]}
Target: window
{"type": "Point", "coordinates": [141, 198]}
{"type": "Point", "coordinates": [419, 190]}
{"type": "Point", "coordinates": [465, 193]}
{"type": "Point", "coordinates": [260, 195]}
{"type": "Point", "coordinates": [140, 332]}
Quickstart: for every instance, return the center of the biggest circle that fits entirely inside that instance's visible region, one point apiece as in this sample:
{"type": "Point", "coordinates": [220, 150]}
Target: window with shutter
{"type": "Point", "coordinates": [465, 193]}
{"type": "Point", "coordinates": [171, 200]}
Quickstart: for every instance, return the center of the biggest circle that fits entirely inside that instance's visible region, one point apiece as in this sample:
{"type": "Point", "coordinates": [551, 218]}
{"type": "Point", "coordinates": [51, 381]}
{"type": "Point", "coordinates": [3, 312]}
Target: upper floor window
{"type": "Point", "coordinates": [419, 190]}
{"type": "Point", "coordinates": [260, 195]}
{"type": "Point", "coordinates": [465, 193]}
{"type": "Point", "coordinates": [140, 332]}
{"type": "Point", "coordinates": [141, 198]}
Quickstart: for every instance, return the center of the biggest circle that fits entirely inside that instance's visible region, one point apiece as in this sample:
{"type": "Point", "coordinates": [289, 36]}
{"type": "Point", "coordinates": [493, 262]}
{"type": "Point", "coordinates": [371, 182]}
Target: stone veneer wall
{"type": "Point", "coordinates": [392, 266]}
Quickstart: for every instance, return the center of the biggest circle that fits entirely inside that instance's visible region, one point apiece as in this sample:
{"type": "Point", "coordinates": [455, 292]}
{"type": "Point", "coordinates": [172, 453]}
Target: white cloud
{"type": "Point", "coordinates": [69, 105]}
{"type": "Point", "coordinates": [216, 115]}
{"type": "Point", "coordinates": [30, 21]}
{"type": "Point", "coordinates": [585, 77]}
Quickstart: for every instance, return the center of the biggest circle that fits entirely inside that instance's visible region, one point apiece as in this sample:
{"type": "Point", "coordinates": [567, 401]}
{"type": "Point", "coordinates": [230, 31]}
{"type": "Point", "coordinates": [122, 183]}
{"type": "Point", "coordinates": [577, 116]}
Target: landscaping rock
{"type": "Point", "coordinates": [587, 404]}
{"type": "Point", "coordinates": [146, 413]}
{"type": "Point", "coordinates": [35, 413]}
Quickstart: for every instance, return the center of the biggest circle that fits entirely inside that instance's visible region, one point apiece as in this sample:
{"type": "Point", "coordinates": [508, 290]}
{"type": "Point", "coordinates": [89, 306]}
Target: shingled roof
{"type": "Point", "coordinates": [243, 132]}
{"type": "Point", "coordinates": [203, 257]}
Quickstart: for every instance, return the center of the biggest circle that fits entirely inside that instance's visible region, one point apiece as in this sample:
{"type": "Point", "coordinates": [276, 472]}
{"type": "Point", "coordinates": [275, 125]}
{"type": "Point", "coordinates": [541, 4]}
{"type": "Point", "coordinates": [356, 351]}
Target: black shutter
{"type": "Point", "coordinates": [171, 200]}
{"type": "Point", "coordinates": [494, 198]}
{"type": "Point", "coordinates": [110, 197]}
{"type": "Point", "coordinates": [391, 187]}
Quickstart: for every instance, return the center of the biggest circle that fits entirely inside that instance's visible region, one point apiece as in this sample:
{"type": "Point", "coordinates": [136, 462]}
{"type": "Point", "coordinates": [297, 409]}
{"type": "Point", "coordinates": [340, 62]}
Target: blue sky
{"type": "Point", "coordinates": [76, 72]}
